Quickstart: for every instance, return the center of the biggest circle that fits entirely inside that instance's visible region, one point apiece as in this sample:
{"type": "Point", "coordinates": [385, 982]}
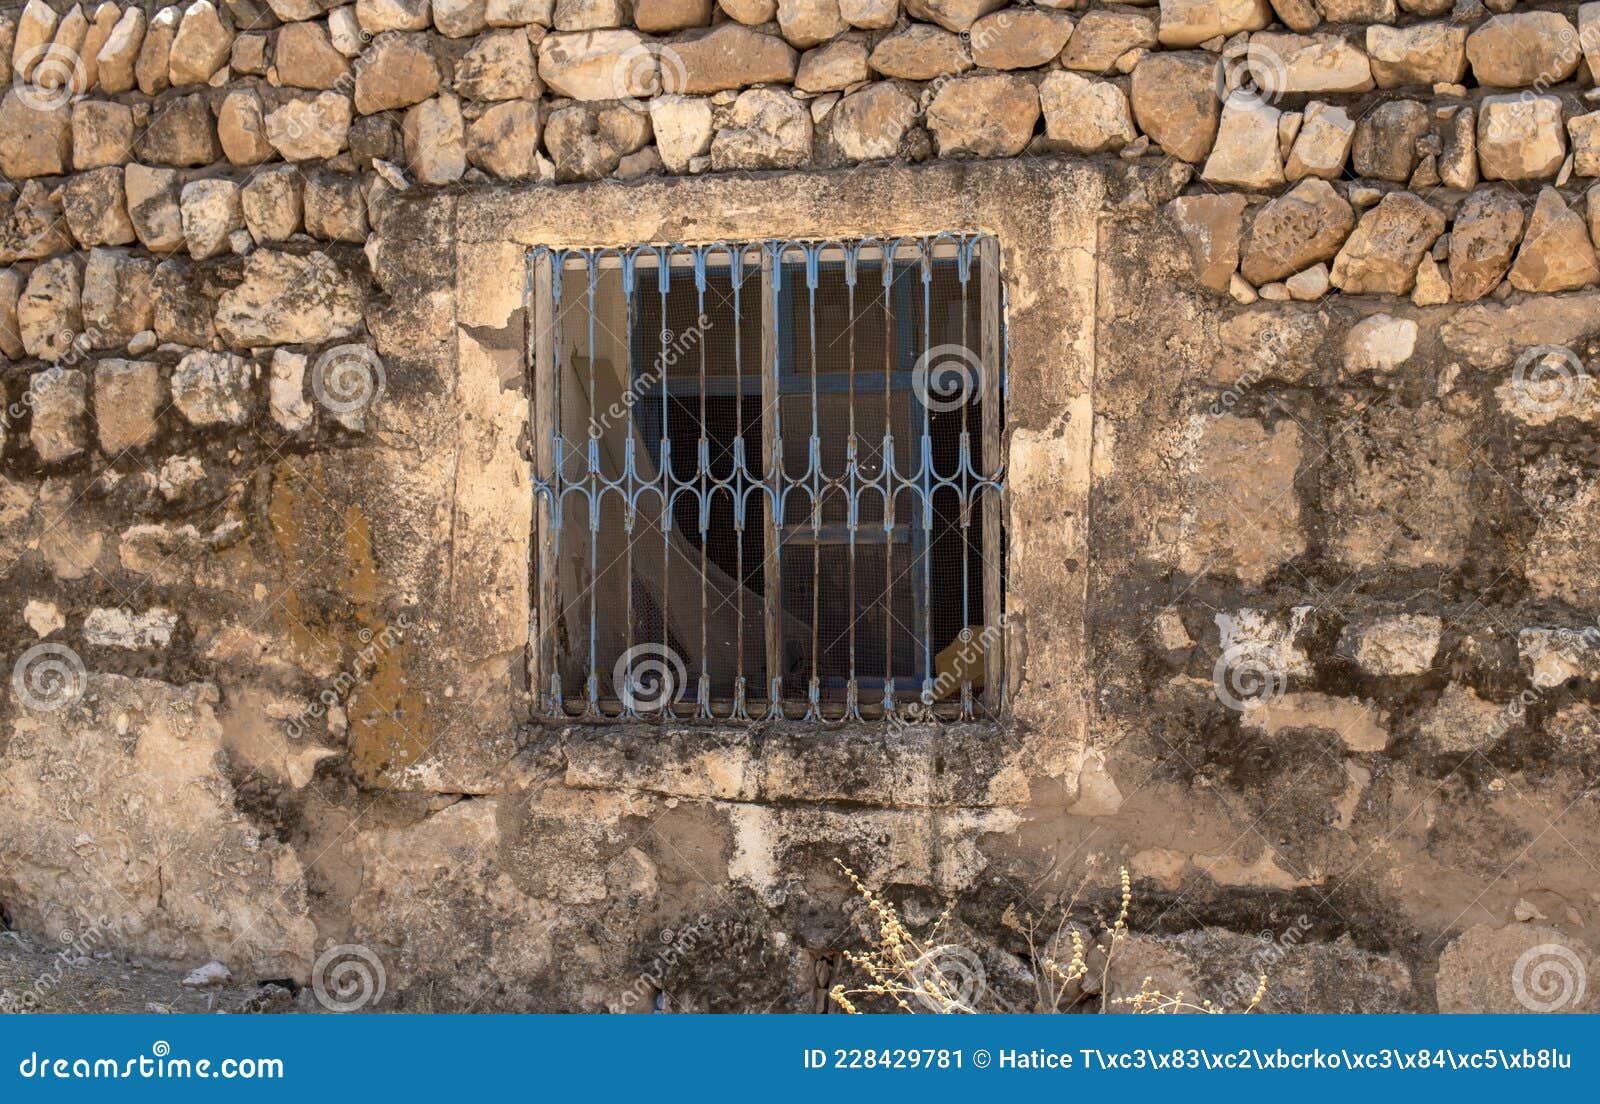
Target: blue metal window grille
{"type": "Point", "coordinates": [769, 479]}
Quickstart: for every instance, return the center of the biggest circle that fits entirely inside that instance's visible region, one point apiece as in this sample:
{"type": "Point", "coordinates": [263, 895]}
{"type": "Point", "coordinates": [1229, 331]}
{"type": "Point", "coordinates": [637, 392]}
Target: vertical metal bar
{"type": "Point", "coordinates": [703, 493]}
{"type": "Point", "coordinates": [736, 271]}
{"type": "Point", "coordinates": [993, 368]}
{"type": "Point", "coordinates": [772, 443]}
{"type": "Point", "coordinates": [630, 486]}
{"type": "Point", "coordinates": [545, 420]}
{"type": "Point", "coordinates": [891, 476]}
{"type": "Point", "coordinates": [852, 702]}
{"type": "Point", "coordinates": [814, 466]}
{"type": "Point", "coordinates": [964, 272]}
{"type": "Point", "coordinates": [665, 471]}
{"type": "Point", "coordinates": [926, 465]}
{"type": "Point", "coordinates": [592, 488]}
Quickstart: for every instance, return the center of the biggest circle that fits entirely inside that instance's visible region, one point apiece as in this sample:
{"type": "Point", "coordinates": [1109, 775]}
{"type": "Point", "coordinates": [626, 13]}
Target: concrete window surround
{"type": "Point", "coordinates": [1045, 215]}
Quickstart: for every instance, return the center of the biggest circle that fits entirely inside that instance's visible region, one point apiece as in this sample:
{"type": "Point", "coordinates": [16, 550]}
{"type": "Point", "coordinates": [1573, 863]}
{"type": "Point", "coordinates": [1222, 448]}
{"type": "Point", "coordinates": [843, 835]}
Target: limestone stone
{"type": "Point", "coordinates": [1584, 131]}
{"type": "Point", "coordinates": [1019, 38]}
{"type": "Point", "coordinates": [874, 15]}
{"type": "Point", "coordinates": [214, 388]}
{"type": "Point", "coordinates": [35, 136]}
{"type": "Point", "coordinates": [287, 299]}
{"type": "Point", "coordinates": [1386, 139]}
{"type": "Point", "coordinates": [36, 28]}
{"type": "Point", "coordinates": [499, 66]}
{"type": "Point", "coordinates": [182, 302]}
{"type": "Point", "coordinates": [200, 47]}
{"type": "Point", "coordinates": [1556, 253]}
{"type": "Point", "coordinates": [1398, 645]}
{"type": "Point", "coordinates": [1520, 49]}
{"type": "Point", "coordinates": [683, 128]}
{"type": "Point", "coordinates": [727, 56]}
{"type": "Point", "coordinates": [182, 134]}
{"type": "Point", "coordinates": [377, 16]}
{"type": "Point", "coordinates": [1379, 343]}
{"type": "Point", "coordinates": [1425, 54]}
{"type": "Point", "coordinates": [271, 203]}
{"type": "Point", "coordinates": [295, 11]}
{"type": "Point", "coordinates": [920, 53]}
{"type": "Point", "coordinates": [164, 790]}
{"type": "Point", "coordinates": [504, 140]}
{"type": "Point", "coordinates": [397, 70]}
{"type": "Point", "coordinates": [240, 127]}
{"type": "Point", "coordinates": [305, 58]}
{"type": "Point", "coordinates": [286, 398]}
{"type": "Point", "coordinates": [1520, 137]}
{"type": "Point", "coordinates": [1483, 239]}
{"type": "Point", "coordinates": [49, 310]}
{"type": "Point", "coordinates": [152, 199]}
{"type": "Point", "coordinates": [586, 141]}
{"type": "Point", "coordinates": [344, 32]}
{"type": "Point", "coordinates": [832, 68]}
{"type": "Point", "coordinates": [60, 406]}
{"type": "Point", "coordinates": [767, 128]}
{"type": "Point", "coordinates": [102, 134]}
{"type": "Point", "coordinates": [459, 18]}
{"type": "Point", "coordinates": [1458, 163]}
{"type": "Point", "coordinates": [1323, 144]}
{"type": "Point", "coordinates": [1210, 224]}
{"type": "Point", "coordinates": [601, 65]}
{"type": "Point", "coordinates": [1085, 116]}
{"type": "Point", "coordinates": [520, 13]}
{"type": "Point", "coordinates": [808, 23]}
{"type": "Point", "coordinates": [1461, 722]}
{"type": "Point", "coordinates": [436, 140]}
{"type": "Point", "coordinates": [11, 283]}
{"type": "Point", "coordinates": [663, 16]}
{"type": "Point", "coordinates": [753, 13]}
{"type": "Point", "coordinates": [335, 209]}
{"type": "Point", "coordinates": [1237, 513]}
{"type": "Point", "coordinates": [1191, 22]}
{"type": "Point", "coordinates": [151, 68]}
{"type": "Point", "coordinates": [1433, 286]}
{"type": "Point", "coordinates": [308, 128]}
{"type": "Point", "coordinates": [590, 15]}
{"type": "Point", "coordinates": [1589, 35]}
{"type": "Point", "coordinates": [1175, 102]}
{"type": "Point", "coordinates": [983, 116]}
{"type": "Point", "coordinates": [249, 55]}
{"type": "Point", "coordinates": [128, 398]}
{"type": "Point", "coordinates": [1358, 11]}
{"type": "Point", "coordinates": [1246, 153]}
{"type": "Point", "coordinates": [116, 301]}
{"type": "Point", "coordinates": [211, 212]}
{"type": "Point", "coordinates": [1103, 36]}
{"type": "Point", "coordinates": [95, 208]}
{"type": "Point", "coordinates": [116, 59]}
{"type": "Point", "coordinates": [1303, 226]}
{"type": "Point", "coordinates": [952, 15]}
{"type": "Point", "coordinates": [1381, 256]}
{"type": "Point", "coordinates": [1518, 968]}
{"type": "Point", "coordinates": [87, 74]}
{"type": "Point", "coordinates": [1286, 64]}
{"type": "Point", "coordinates": [871, 123]}
{"type": "Point", "coordinates": [1309, 285]}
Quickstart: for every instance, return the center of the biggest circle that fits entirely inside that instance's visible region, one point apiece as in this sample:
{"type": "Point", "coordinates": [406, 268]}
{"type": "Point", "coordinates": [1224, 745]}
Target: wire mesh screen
{"type": "Point", "coordinates": [769, 478]}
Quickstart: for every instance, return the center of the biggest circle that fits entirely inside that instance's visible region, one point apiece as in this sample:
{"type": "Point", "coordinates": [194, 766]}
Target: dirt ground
{"type": "Point", "coordinates": [39, 978]}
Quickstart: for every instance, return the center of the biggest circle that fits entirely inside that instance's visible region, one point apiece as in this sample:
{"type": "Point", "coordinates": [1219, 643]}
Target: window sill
{"type": "Point", "coordinates": [948, 765]}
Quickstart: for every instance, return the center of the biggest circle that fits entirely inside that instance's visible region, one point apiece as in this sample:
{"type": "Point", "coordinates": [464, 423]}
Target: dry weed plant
{"type": "Point", "coordinates": [901, 968]}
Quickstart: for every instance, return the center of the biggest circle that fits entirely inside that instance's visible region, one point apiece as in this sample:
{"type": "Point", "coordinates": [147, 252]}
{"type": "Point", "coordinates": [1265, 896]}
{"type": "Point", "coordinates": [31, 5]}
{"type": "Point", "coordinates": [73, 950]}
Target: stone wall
{"type": "Point", "coordinates": [1301, 488]}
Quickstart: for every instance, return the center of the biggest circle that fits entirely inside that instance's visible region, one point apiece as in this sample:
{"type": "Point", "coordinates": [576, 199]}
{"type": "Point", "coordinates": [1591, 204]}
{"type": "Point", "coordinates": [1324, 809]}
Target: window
{"type": "Point", "coordinates": [769, 479]}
